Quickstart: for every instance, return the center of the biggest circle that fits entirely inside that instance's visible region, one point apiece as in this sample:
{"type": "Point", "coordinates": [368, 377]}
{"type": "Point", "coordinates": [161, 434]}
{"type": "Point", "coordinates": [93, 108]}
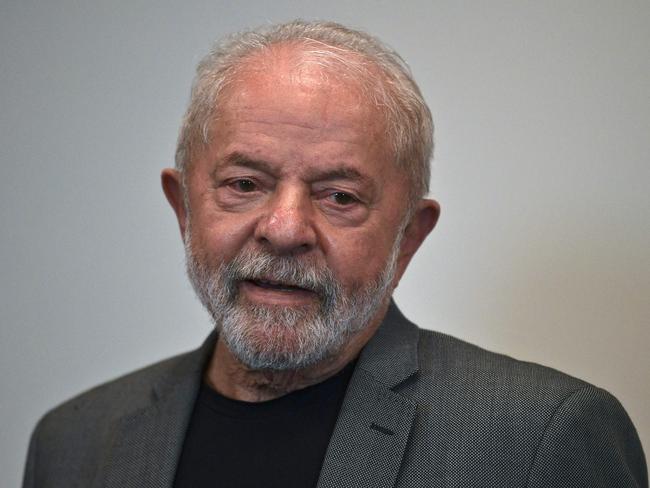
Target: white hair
{"type": "Point", "coordinates": [380, 73]}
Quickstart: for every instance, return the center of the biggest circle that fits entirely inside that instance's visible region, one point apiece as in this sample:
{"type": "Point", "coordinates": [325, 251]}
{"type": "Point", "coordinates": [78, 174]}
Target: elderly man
{"type": "Point", "coordinates": [302, 166]}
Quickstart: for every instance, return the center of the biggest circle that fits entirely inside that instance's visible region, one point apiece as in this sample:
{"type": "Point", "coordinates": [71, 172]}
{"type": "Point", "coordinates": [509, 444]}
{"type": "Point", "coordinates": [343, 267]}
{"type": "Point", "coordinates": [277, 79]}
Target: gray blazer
{"type": "Point", "coordinates": [422, 410]}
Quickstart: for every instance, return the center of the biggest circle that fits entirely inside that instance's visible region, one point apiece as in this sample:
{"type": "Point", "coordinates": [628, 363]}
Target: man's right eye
{"type": "Point", "coordinates": [244, 185]}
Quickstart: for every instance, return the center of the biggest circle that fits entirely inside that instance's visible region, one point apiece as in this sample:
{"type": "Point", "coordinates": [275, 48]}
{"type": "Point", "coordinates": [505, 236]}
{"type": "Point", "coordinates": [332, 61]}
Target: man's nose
{"type": "Point", "coordinates": [287, 226]}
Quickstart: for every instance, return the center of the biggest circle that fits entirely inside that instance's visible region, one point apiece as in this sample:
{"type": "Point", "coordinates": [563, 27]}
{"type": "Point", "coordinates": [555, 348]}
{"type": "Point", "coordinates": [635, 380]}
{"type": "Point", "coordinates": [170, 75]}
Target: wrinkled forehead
{"type": "Point", "coordinates": [318, 76]}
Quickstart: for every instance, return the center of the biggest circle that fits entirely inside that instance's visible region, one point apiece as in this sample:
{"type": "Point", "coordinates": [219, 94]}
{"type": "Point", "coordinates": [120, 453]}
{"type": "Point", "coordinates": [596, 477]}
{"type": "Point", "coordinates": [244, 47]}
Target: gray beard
{"type": "Point", "coordinates": [280, 337]}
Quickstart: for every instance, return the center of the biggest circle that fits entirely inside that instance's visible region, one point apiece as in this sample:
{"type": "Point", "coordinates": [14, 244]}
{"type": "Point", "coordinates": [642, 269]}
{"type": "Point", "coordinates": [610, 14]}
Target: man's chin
{"type": "Point", "coordinates": [279, 337]}
{"type": "Point", "coordinates": [282, 355]}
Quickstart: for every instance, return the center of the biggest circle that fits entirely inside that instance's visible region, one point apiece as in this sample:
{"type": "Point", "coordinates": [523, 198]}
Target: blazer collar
{"type": "Point", "coordinates": [391, 356]}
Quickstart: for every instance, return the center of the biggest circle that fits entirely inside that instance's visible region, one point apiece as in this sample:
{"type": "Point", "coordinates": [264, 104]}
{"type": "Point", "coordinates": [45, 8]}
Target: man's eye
{"type": "Point", "coordinates": [244, 185]}
{"type": "Point", "coordinates": [341, 198]}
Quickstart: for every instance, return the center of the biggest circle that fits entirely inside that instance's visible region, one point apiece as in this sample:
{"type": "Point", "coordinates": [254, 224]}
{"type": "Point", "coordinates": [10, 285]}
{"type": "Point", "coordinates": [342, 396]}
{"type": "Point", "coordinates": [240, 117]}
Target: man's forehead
{"type": "Point", "coordinates": [313, 96]}
{"type": "Point", "coordinates": [317, 113]}
{"type": "Point", "coordinates": [317, 84]}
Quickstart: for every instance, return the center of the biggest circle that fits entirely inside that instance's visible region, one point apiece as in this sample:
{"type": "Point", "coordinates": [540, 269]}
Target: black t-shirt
{"type": "Point", "coordinates": [277, 443]}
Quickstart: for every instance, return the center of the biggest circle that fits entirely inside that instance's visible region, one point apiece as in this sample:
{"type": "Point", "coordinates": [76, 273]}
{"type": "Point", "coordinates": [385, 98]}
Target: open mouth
{"type": "Point", "coordinates": [281, 293]}
{"type": "Point", "coordinates": [277, 286]}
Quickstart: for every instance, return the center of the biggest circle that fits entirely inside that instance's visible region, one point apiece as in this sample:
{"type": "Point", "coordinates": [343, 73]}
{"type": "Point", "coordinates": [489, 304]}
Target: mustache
{"type": "Point", "coordinates": [299, 272]}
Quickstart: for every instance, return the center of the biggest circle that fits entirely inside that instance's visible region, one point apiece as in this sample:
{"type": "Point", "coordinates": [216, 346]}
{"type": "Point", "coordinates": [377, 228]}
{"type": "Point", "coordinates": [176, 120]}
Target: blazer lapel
{"type": "Point", "coordinates": [147, 442]}
{"type": "Point", "coordinates": [371, 433]}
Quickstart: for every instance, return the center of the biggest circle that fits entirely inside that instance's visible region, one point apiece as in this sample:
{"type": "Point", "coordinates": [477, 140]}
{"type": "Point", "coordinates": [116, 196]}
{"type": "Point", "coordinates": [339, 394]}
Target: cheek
{"type": "Point", "coordinates": [220, 237]}
{"type": "Point", "coordinates": [359, 260]}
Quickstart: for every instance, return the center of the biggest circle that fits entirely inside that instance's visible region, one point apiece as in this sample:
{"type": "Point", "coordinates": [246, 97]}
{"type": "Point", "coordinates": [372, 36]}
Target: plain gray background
{"type": "Point", "coordinates": [542, 114]}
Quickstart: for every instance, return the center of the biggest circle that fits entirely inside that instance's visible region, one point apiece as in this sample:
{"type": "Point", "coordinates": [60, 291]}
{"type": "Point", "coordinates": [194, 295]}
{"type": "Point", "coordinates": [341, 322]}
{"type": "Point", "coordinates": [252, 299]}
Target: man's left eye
{"type": "Point", "coordinates": [342, 198]}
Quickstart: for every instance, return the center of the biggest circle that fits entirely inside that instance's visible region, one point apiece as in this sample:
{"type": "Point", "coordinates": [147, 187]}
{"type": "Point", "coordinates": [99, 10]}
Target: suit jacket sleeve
{"type": "Point", "coordinates": [589, 442]}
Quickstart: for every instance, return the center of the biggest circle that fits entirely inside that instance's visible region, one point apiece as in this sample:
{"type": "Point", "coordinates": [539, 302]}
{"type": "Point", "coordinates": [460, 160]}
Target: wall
{"type": "Point", "coordinates": [542, 114]}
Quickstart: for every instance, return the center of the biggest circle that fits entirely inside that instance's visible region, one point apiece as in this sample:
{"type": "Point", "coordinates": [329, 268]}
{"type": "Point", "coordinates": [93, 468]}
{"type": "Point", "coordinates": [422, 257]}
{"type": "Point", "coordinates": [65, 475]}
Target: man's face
{"type": "Point", "coordinates": [295, 213]}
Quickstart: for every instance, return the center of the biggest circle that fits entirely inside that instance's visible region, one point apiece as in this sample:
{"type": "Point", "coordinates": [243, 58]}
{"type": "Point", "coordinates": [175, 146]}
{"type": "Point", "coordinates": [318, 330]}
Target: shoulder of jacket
{"type": "Point", "coordinates": [109, 400]}
{"type": "Point", "coordinates": [491, 372]}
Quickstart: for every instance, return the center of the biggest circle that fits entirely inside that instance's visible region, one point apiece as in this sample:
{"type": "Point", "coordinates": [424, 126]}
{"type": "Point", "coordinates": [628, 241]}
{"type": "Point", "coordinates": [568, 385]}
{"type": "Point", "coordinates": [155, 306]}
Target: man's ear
{"type": "Point", "coordinates": [422, 222]}
{"type": "Point", "coordinates": [172, 185]}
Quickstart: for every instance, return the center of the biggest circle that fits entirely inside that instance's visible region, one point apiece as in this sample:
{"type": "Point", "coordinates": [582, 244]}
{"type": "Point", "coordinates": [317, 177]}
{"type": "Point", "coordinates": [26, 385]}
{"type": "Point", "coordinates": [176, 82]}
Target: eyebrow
{"type": "Point", "coordinates": [239, 159]}
{"type": "Point", "coordinates": [340, 172]}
